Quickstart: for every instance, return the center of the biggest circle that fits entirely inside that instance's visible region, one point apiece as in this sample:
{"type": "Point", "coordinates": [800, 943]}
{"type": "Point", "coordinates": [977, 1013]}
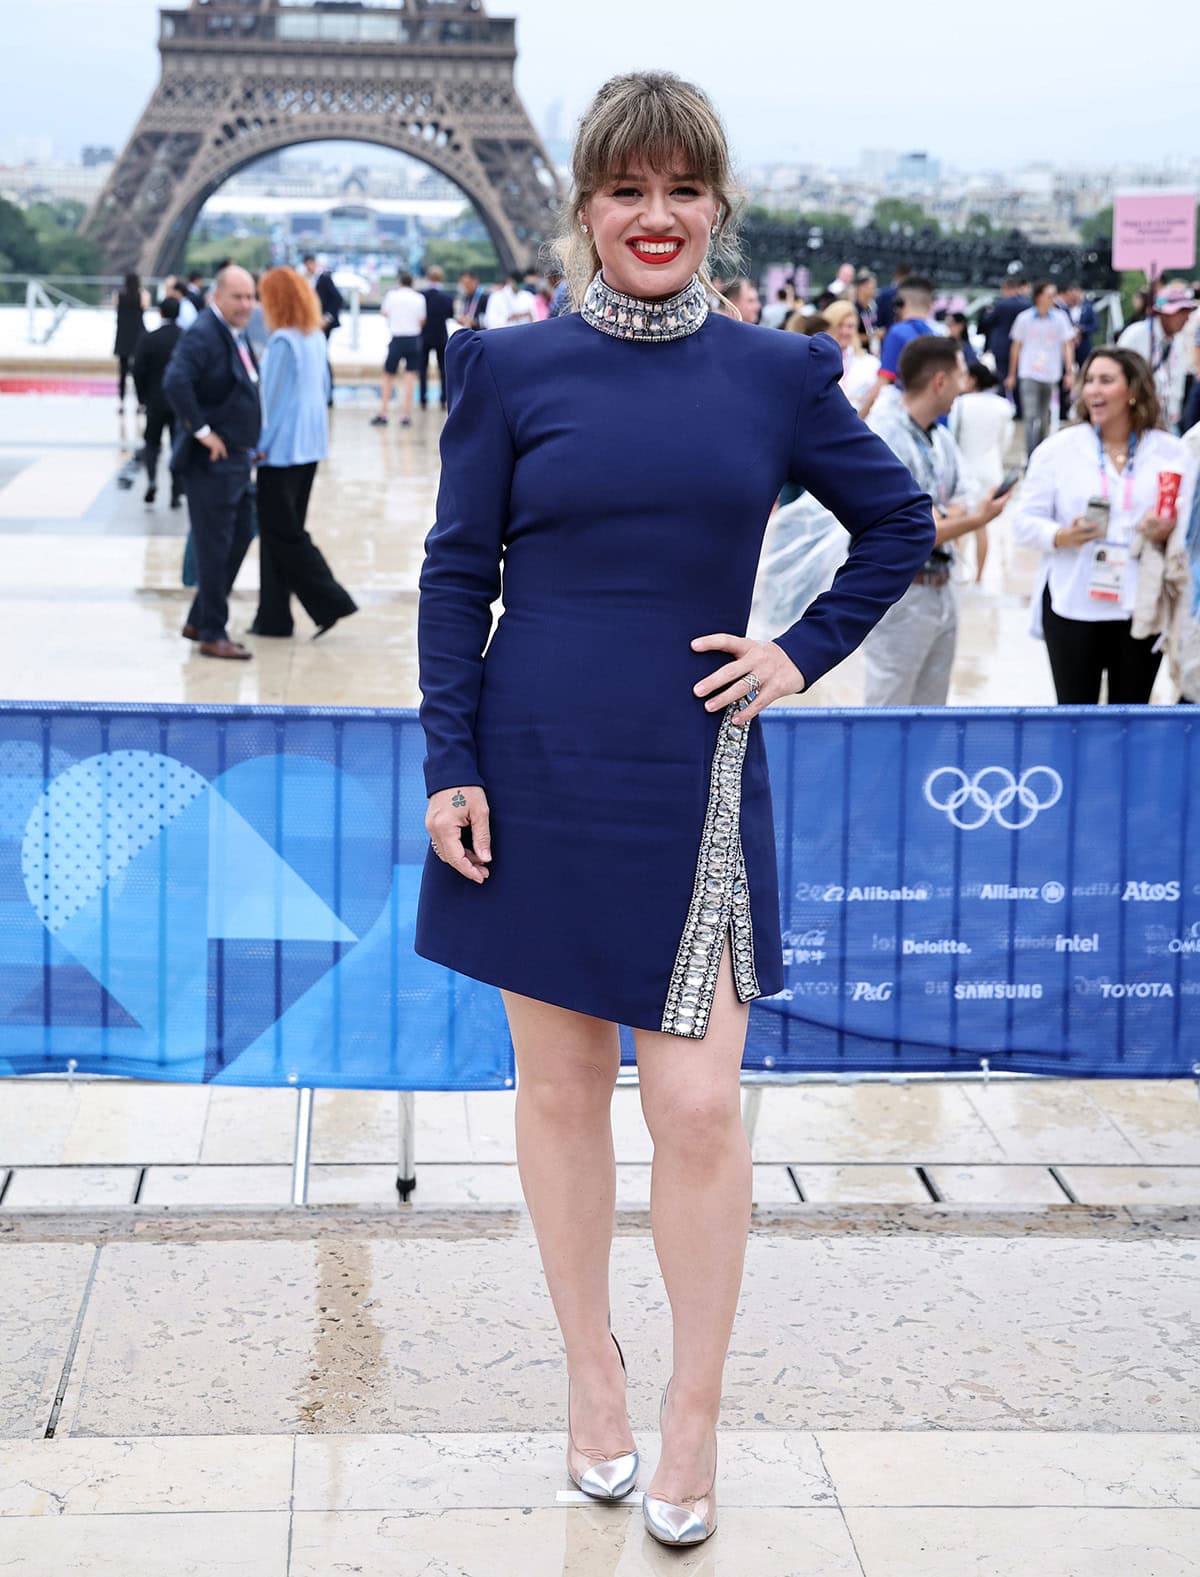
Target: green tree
{"type": "Point", "coordinates": [457, 257]}
{"type": "Point", "coordinates": [978, 223]}
{"type": "Point", "coordinates": [1097, 227]}
{"type": "Point", "coordinates": [251, 251]}
{"type": "Point", "coordinates": [897, 212]}
{"type": "Point", "coordinates": [18, 240]}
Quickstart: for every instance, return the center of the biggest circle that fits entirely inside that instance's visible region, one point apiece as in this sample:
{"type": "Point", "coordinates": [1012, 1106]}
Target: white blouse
{"type": "Point", "coordinates": [1064, 472]}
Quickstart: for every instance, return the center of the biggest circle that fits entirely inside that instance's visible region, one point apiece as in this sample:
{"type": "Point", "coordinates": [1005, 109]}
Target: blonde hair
{"type": "Point", "coordinates": [656, 119]}
{"type": "Point", "coordinates": [837, 311]}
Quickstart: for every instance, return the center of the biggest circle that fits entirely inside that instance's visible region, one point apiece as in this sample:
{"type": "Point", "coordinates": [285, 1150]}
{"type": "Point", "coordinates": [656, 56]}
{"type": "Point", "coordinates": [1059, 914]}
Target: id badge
{"type": "Point", "coordinates": [1107, 577]}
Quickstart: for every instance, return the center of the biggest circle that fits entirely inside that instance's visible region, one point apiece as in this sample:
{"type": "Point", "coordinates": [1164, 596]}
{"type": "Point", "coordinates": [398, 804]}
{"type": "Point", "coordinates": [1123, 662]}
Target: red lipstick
{"type": "Point", "coordinates": [671, 246]}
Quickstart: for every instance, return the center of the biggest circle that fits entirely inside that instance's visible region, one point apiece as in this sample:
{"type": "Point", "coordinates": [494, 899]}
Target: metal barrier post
{"type": "Point", "coordinates": [406, 1177]}
{"type": "Point", "coordinates": [304, 1117]}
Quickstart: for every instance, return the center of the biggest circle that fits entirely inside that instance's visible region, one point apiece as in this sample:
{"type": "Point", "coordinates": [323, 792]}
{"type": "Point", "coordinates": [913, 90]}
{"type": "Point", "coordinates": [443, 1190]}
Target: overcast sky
{"type": "Point", "coordinates": [974, 84]}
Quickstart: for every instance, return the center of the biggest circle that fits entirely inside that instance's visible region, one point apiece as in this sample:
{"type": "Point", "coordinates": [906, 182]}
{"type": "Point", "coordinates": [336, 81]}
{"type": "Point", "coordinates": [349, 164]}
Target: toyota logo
{"type": "Point", "coordinates": [992, 794]}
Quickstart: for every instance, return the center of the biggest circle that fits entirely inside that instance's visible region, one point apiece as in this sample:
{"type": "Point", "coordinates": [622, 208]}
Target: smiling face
{"type": "Point", "coordinates": [1105, 390]}
{"type": "Point", "coordinates": [652, 230]}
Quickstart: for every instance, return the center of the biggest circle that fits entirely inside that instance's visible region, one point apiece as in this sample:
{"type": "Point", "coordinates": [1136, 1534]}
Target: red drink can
{"type": "Point", "coordinates": [1168, 494]}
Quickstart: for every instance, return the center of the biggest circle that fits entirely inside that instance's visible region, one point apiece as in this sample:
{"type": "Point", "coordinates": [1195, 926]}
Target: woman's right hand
{"type": "Point", "coordinates": [1080, 530]}
{"type": "Point", "coordinates": [448, 813]}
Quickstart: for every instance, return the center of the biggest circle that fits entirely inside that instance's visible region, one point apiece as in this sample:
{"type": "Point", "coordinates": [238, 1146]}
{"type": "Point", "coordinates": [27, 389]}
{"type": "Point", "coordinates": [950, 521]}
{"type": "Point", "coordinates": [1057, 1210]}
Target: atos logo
{"type": "Point", "coordinates": [1150, 892]}
{"type": "Point", "coordinates": [993, 794]}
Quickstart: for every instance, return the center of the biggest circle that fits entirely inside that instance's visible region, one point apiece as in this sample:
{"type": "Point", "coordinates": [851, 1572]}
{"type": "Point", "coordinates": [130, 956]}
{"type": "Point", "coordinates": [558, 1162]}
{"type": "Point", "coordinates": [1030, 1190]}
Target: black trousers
{"type": "Point", "coordinates": [220, 496]}
{"type": "Point", "coordinates": [1081, 651]}
{"type": "Point", "coordinates": [423, 376]}
{"type": "Point", "coordinates": [124, 373]}
{"type": "Point", "coordinates": [291, 563]}
{"type": "Point", "coordinates": [158, 415]}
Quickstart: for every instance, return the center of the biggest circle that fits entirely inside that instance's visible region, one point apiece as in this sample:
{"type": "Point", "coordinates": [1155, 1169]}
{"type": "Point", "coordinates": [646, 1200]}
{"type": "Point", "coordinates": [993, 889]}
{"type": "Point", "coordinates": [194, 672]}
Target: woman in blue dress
{"type": "Point", "coordinates": [599, 813]}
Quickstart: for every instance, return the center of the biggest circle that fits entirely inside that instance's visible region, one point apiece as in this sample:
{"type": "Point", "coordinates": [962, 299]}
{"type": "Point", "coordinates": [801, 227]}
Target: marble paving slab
{"type": "Point", "coordinates": [590, 1541]}
{"type": "Point", "coordinates": [1026, 1467]}
{"type": "Point", "coordinates": [168, 1544]}
{"type": "Point", "coordinates": [1050, 1123]}
{"type": "Point", "coordinates": [831, 1123]}
{"type": "Point", "coordinates": [41, 1287]}
{"type": "Point", "coordinates": [1159, 1117]}
{"type": "Point", "coordinates": [411, 1335]}
{"type": "Point", "coordinates": [39, 1187]}
{"type": "Point", "coordinates": [1046, 1541]}
{"type": "Point", "coordinates": [56, 1478]}
{"type": "Point", "coordinates": [996, 1185]}
{"type": "Point", "coordinates": [1133, 1185]}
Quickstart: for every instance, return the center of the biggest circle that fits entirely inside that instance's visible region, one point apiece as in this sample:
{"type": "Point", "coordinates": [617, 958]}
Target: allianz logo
{"type": "Point", "coordinates": [1005, 892]}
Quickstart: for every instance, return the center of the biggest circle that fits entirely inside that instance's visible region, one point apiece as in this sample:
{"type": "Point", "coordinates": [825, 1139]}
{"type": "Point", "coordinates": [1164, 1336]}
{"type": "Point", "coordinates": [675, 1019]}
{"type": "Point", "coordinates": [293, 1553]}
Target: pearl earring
{"type": "Point", "coordinates": [584, 228]}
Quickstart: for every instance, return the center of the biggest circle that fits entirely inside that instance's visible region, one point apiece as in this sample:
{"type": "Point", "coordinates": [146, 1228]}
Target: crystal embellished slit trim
{"type": "Point", "coordinates": [720, 903]}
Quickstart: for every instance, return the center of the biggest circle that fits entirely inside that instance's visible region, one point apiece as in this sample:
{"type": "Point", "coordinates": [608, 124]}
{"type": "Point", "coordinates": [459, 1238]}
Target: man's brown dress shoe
{"type": "Point", "coordinates": [190, 632]}
{"type": "Point", "coordinates": [225, 649]}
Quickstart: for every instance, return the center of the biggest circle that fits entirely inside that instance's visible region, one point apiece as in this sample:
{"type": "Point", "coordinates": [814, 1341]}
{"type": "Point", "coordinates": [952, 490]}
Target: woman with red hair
{"type": "Point", "coordinates": [295, 438]}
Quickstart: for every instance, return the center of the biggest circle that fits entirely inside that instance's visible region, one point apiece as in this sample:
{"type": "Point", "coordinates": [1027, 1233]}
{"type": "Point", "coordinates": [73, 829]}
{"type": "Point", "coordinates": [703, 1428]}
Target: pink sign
{"type": "Point", "coordinates": [1153, 230]}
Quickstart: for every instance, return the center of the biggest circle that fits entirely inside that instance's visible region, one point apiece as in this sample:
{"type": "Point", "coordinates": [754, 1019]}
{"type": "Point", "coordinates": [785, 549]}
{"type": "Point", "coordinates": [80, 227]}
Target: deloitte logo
{"type": "Point", "coordinates": [993, 794]}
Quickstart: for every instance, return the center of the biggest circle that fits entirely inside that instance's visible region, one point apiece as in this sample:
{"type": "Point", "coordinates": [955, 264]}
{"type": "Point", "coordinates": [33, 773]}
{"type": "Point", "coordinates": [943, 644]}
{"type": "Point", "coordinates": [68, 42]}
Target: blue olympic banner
{"type": "Point", "coordinates": [210, 894]}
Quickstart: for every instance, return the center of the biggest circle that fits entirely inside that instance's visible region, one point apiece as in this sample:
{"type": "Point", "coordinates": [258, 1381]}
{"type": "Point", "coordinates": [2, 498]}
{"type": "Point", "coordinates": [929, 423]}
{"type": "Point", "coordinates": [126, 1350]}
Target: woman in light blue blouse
{"type": "Point", "coordinates": [295, 438]}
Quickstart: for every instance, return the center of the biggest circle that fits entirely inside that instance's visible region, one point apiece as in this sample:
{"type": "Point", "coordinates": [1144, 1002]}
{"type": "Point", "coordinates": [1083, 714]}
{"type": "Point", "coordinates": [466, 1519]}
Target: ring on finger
{"type": "Point", "coordinates": [755, 685]}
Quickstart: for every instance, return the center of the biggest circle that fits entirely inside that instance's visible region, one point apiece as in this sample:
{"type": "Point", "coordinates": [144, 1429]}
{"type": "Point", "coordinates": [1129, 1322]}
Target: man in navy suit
{"type": "Point", "coordinates": [212, 383]}
{"type": "Point", "coordinates": [439, 309]}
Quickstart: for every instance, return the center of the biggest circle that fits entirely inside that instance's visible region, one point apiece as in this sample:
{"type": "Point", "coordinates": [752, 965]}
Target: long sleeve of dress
{"type": "Point", "coordinates": [858, 478]}
{"type": "Point", "coordinates": [460, 578]}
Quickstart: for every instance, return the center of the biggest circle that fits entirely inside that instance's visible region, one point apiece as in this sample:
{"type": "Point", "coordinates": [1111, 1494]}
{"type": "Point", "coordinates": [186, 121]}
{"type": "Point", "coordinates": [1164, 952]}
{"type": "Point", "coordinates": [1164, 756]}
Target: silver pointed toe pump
{"type": "Point", "coordinates": [678, 1525]}
{"type": "Point", "coordinates": [610, 1480]}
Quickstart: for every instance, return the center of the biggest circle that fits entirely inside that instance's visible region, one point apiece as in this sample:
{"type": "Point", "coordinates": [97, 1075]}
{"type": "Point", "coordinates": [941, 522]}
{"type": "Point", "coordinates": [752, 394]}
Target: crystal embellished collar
{"type": "Point", "coordinates": [629, 317]}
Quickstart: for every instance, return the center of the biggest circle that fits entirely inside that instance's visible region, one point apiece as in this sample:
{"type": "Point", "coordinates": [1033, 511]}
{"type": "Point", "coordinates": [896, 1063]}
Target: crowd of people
{"type": "Point", "coordinates": [944, 393]}
{"type": "Point", "coordinates": [240, 380]}
{"type": "Point", "coordinates": [1108, 495]}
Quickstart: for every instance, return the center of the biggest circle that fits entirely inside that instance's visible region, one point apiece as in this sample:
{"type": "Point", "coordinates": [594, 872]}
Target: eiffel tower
{"type": "Point", "coordinates": [244, 78]}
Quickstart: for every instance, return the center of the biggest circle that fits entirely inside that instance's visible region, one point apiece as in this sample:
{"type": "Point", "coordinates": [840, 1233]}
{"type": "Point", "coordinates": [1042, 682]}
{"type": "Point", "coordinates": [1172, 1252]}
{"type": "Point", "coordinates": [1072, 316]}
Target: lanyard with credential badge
{"type": "Point", "coordinates": [1130, 453]}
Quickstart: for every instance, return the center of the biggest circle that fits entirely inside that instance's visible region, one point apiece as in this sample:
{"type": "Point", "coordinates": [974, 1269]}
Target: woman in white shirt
{"type": "Point", "coordinates": [1085, 595]}
{"type": "Point", "coordinates": [981, 424]}
{"type": "Point", "coordinates": [859, 366]}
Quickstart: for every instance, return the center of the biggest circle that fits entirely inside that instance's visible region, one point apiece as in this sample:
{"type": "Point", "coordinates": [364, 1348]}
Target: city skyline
{"type": "Point", "coordinates": [1041, 97]}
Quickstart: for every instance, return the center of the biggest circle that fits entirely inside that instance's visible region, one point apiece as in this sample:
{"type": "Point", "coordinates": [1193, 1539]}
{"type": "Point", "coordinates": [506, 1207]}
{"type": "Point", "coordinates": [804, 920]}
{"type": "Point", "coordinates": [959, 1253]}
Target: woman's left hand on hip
{"type": "Point", "coordinates": [759, 671]}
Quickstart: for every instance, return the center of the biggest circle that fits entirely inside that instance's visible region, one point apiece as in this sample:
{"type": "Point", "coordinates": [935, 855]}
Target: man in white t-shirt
{"type": "Point", "coordinates": [509, 304]}
{"type": "Point", "coordinates": [1166, 342]}
{"type": "Point", "coordinates": [1040, 358]}
{"type": "Point", "coordinates": [404, 311]}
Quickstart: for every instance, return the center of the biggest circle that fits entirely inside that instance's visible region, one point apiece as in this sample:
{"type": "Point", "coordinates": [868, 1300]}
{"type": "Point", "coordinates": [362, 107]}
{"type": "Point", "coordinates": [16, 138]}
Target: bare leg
{"type": "Point", "coordinates": [410, 383]}
{"type": "Point", "coordinates": [700, 1196]}
{"type": "Point", "coordinates": [567, 1066]}
{"type": "Point", "coordinates": [981, 552]}
{"type": "Point", "coordinates": [389, 384]}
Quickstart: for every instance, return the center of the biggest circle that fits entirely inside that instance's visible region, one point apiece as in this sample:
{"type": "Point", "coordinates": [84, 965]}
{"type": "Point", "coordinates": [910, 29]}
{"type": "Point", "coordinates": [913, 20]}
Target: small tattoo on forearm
{"type": "Point", "coordinates": [460, 799]}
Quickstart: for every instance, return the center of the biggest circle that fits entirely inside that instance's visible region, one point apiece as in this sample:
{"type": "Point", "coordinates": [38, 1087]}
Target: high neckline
{"type": "Point", "coordinates": [632, 318]}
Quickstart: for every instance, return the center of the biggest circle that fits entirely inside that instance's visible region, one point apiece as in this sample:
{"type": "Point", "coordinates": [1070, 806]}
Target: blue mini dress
{"type": "Point", "coordinates": [610, 473]}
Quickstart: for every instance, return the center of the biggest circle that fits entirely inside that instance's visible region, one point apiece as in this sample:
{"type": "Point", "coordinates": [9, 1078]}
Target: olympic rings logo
{"type": "Point", "coordinates": [993, 794]}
